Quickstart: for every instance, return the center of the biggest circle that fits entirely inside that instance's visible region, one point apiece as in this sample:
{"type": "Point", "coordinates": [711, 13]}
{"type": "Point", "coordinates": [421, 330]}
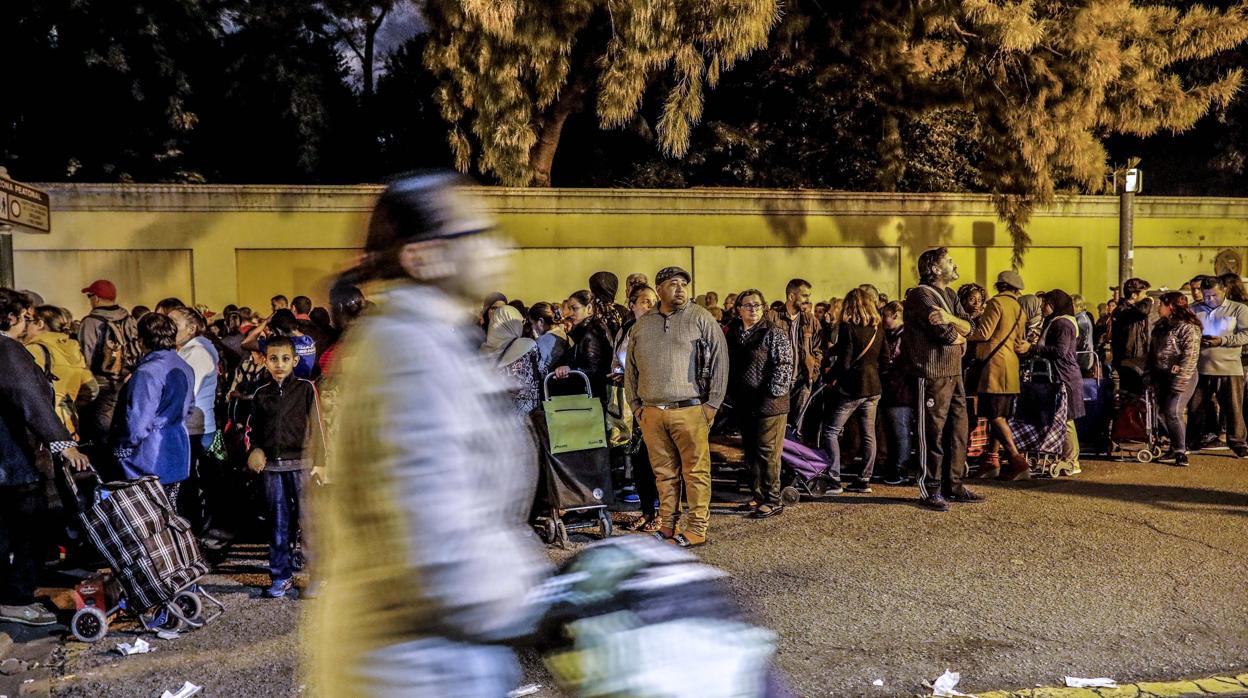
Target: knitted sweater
{"type": "Point", "coordinates": [934, 350]}
{"type": "Point", "coordinates": [663, 358]}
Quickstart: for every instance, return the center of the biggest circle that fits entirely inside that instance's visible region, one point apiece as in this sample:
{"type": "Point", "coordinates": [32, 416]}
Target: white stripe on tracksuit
{"type": "Point", "coordinates": [921, 428]}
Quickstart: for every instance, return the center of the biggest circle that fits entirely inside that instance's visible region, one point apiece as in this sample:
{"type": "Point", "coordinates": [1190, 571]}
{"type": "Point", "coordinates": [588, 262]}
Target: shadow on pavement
{"type": "Point", "coordinates": [1161, 496]}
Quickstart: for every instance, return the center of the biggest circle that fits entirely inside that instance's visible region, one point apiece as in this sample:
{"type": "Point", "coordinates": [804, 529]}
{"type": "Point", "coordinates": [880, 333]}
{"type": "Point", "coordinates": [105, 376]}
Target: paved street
{"type": "Point", "coordinates": [1131, 571]}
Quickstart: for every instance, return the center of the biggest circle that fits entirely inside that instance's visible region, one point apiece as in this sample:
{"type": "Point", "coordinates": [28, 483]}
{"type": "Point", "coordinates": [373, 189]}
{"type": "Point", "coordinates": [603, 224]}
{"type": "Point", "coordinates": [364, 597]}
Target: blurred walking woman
{"type": "Point", "coordinates": [760, 375]}
{"type": "Point", "coordinates": [427, 561]}
{"type": "Point", "coordinates": [853, 382]}
{"type": "Point", "coordinates": [1173, 354]}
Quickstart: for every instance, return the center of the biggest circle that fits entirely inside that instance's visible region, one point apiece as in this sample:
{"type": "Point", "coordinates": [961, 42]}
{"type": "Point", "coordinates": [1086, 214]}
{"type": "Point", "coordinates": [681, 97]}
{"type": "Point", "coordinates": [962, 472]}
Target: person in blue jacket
{"type": "Point", "coordinates": [149, 429]}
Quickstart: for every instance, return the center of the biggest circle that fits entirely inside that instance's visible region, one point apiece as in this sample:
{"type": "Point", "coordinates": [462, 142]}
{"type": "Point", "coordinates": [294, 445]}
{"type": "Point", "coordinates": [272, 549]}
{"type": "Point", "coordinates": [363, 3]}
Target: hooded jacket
{"type": "Point", "coordinates": [70, 370]}
{"type": "Point", "coordinates": [93, 330]}
{"type": "Point", "coordinates": [149, 424]}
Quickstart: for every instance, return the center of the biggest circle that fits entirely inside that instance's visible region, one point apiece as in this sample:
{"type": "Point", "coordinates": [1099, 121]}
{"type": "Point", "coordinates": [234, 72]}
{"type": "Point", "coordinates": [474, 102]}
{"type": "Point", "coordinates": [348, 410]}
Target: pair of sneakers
{"type": "Point", "coordinates": [283, 587]}
{"type": "Point", "coordinates": [32, 614]}
{"type": "Point", "coordinates": [940, 502]}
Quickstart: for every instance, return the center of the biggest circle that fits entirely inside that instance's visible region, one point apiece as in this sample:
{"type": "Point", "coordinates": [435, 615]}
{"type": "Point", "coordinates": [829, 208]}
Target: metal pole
{"type": "Point", "coordinates": [6, 260]}
{"type": "Point", "coordinates": [1126, 236]}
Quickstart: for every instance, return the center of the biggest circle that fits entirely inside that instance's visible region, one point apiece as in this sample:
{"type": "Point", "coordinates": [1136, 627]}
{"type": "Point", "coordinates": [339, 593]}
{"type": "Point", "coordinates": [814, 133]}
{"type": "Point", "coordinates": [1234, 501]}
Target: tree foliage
{"type": "Point", "coordinates": [1047, 81]}
{"type": "Point", "coordinates": [512, 71]}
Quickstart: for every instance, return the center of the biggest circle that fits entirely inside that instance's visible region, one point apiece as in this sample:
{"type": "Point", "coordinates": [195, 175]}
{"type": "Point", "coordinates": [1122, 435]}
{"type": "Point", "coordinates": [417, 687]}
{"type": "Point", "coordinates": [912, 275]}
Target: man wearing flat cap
{"type": "Point", "coordinates": [675, 378]}
{"type": "Point", "coordinates": [998, 338]}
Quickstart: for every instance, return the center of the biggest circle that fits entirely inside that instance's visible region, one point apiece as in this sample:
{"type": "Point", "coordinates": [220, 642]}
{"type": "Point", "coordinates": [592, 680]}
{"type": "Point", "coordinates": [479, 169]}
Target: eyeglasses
{"type": "Point", "coordinates": [751, 306]}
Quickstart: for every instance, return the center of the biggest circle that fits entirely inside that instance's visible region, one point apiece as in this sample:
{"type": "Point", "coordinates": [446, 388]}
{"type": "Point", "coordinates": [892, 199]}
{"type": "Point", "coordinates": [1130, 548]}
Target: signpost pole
{"type": "Point", "coordinates": [1126, 236]}
{"type": "Point", "coordinates": [6, 260]}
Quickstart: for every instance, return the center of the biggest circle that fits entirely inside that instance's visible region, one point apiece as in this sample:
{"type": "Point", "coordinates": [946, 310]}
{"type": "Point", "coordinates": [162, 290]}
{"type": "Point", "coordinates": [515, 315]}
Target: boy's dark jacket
{"type": "Point", "coordinates": [279, 418]}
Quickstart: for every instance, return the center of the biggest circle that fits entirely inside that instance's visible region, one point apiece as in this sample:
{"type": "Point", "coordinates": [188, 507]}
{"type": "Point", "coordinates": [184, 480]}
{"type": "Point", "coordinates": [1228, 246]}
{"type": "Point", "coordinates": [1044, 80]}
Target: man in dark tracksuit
{"type": "Point", "coordinates": [934, 341]}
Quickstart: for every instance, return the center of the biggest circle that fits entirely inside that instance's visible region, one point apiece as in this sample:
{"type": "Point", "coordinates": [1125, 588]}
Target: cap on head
{"type": "Point", "coordinates": [671, 272]}
{"type": "Point", "coordinates": [1011, 278]}
{"type": "Point", "coordinates": [102, 288]}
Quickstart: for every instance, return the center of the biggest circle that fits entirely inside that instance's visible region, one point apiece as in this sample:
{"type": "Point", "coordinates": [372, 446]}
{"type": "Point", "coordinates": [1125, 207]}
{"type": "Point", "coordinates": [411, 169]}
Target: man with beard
{"type": "Point", "coordinates": [934, 341]}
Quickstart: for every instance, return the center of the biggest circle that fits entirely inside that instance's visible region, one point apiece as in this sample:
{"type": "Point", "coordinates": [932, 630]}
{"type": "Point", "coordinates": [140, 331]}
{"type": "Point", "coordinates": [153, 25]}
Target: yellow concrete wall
{"type": "Point", "coordinates": [243, 244]}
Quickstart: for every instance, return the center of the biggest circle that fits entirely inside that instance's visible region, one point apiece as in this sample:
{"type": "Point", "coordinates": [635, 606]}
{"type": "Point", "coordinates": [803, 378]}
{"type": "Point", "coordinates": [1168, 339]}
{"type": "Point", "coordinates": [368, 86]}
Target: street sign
{"type": "Point", "coordinates": [24, 206]}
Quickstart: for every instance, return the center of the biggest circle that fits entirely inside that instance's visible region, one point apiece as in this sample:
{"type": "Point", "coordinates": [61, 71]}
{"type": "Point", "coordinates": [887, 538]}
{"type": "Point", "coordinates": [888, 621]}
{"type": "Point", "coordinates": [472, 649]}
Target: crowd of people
{"type": "Point", "coordinates": [178, 393]}
{"type": "Point", "coordinates": [916, 376]}
{"type": "Point", "coordinates": [421, 419]}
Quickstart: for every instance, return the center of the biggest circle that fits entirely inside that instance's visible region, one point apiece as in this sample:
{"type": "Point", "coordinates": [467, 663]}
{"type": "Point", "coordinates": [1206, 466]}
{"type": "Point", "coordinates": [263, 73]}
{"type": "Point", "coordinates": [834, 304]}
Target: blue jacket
{"type": "Point", "coordinates": [149, 427]}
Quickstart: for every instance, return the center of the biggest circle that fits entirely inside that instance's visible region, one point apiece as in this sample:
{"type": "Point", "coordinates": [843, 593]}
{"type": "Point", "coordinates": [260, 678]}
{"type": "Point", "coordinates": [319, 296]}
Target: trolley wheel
{"type": "Point", "coordinates": [1158, 452]}
{"type": "Point", "coordinates": [189, 605]}
{"type": "Point", "coordinates": [790, 496]}
{"type": "Point", "coordinates": [604, 519]}
{"type": "Point", "coordinates": [549, 535]}
{"type": "Point", "coordinates": [1144, 456]}
{"type": "Point", "coordinates": [89, 624]}
{"type": "Point", "coordinates": [561, 534]}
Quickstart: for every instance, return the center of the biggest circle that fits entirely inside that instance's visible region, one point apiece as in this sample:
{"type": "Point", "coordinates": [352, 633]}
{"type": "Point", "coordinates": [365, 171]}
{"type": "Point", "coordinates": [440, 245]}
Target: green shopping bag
{"type": "Point", "coordinates": [574, 422]}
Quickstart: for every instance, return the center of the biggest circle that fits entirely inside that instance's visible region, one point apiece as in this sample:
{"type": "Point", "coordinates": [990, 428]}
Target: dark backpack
{"type": "Point", "coordinates": [122, 349]}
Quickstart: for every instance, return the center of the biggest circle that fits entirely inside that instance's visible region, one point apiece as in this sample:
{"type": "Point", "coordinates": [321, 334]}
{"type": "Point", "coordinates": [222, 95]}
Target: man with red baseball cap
{"type": "Point", "coordinates": [102, 289]}
{"type": "Point", "coordinates": [110, 344]}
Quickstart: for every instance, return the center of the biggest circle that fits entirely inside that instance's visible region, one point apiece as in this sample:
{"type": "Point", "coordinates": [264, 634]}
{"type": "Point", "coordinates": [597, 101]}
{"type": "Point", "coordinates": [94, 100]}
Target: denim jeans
{"type": "Point", "coordinates": [840, 409]}
{"type": "Point", "coordinates": [898, 423]}
{"type": "Point", "coordinates": [1173, 403]}
{"type": "Point", "coordinates": [284, 491]}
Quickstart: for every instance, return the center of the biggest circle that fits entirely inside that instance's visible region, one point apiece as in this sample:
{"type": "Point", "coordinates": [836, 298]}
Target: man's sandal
{"type": "Point", "coordinates": [642, 523]}
{"type": "Point", "coordinates": [765, 510]}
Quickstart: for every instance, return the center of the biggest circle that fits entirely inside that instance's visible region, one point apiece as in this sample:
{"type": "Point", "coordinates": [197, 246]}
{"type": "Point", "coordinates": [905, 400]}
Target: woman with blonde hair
{"type": "Point", "coordinates": [852, 385]}
{"type": "Point", "coordinates": [59, 357]}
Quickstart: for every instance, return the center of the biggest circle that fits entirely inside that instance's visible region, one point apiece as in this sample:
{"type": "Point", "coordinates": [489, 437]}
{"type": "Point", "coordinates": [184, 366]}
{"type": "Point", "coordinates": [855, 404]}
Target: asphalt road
{"type": "Point", "coordinates": [1129, 571]}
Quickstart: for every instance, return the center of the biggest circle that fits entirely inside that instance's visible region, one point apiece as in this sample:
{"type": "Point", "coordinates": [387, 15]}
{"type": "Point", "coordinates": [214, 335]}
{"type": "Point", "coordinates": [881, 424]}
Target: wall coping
{"type": "Point", "coordinates": [190, 198]}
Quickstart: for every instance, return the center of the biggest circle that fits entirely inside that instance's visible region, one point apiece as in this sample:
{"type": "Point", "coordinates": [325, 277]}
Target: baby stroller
{"type": "Point", "coordinates": [1039, 425]}
{"type": "Point", "coordinates": [612, 619]}
{"type": "Point", "coordinates": [155, 561]}
{"type": "Point", "coordinates": [803, 465]}
{"type": "Point", "coordinates": [1133, 429]}
{"type": "Point", "coordinates": [575, 474]}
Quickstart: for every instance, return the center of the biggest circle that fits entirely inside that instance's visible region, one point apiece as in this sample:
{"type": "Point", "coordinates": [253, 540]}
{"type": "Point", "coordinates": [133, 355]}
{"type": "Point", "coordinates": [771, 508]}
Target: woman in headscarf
{"type": "Point", "coordinates": [515, 355]}
{"type": "Point", "coordinates": [1060, 346]}
{"type": "Point", "coordinates": [428, 566]}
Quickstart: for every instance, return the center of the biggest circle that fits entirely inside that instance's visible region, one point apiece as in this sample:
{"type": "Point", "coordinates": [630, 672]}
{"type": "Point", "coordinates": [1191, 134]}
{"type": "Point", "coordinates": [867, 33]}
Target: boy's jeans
{"type": "Point", "coordinates": [898, 421]}
{"type": "Point", "coordinates": [284, 492]}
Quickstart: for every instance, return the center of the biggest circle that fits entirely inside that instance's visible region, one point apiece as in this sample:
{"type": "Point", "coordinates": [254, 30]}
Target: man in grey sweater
{"type": "Point", "coordinates": [675, 378]}
{"type": "Point", "coordinates": [1224, 324]}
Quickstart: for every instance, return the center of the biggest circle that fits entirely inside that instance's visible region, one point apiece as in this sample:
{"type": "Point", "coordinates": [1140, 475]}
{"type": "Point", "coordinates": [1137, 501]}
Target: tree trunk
{"type": "Point", "coordinates": [370, 51]}
{"type": "Point", "coordinates": [542, 156]}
